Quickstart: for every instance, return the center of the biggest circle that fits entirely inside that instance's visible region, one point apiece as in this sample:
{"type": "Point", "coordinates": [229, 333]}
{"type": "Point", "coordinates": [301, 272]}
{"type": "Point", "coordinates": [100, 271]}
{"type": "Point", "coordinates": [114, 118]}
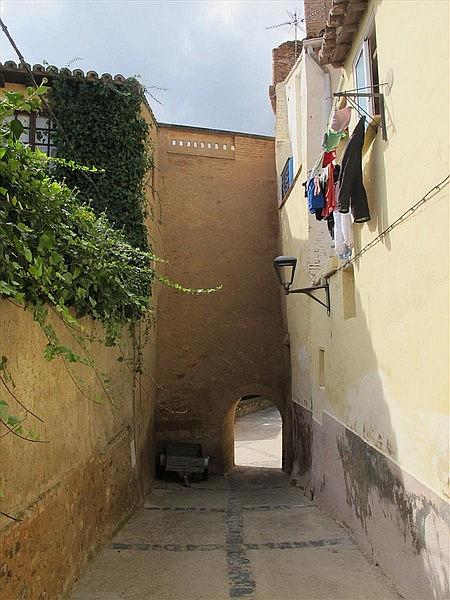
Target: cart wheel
{"type": "Point", "coordinates": [205, 474]}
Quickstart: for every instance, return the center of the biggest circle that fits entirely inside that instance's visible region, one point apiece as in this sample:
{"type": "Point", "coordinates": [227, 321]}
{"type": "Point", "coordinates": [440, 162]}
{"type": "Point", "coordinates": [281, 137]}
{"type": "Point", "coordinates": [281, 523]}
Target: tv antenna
{"type": "Point", "coordinates": [293, 24]}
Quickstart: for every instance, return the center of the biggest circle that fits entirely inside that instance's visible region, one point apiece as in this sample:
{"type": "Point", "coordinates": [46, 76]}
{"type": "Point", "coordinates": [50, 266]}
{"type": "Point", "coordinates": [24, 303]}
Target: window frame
{"type": "Point", "coordinates": [288, 174]}
{"type": "Point", "coordinates": [33, 130]}
{"type": "Point", "coordinates": [365, 52]}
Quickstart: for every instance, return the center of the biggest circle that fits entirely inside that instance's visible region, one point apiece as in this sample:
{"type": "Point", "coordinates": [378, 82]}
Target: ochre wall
{"type": "Point", "coordinates": [220, 228]}
{"type": "Point", "coordinates": [378, 428]}
{"type": "Point", "coordinates": [71, 492]}
{"type": "Point", "coordinates": [379, 378]}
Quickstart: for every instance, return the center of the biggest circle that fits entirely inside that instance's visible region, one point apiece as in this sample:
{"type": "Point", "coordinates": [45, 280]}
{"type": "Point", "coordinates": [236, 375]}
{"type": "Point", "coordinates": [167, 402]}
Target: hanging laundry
{"type": "Point", "coordinates": [330, 225]}
{"type": "Point", "coordinates": [315, 197]}
{"type": "Point", "coordinates": [330, 194]}
{"type": "Point", "coordinates": [343, 234]}
{"type": "Point", "coordinates": [352, 194]}
{"type": "Point", "coordinates": [328, 158]}
{"type": "Point", "coordinates": [331, 140]}
{"type": "Point", "coordinates": [342, 103]}
{"type": "Point", "coordinates": [341, 119]}
{"type": "Point", "coordinates": [317, 168]}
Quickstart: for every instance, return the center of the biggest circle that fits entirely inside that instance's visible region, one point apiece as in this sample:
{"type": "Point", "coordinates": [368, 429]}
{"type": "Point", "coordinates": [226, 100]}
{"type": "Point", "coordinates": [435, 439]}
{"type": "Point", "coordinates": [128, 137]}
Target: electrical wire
{"type": "Point", "coordinates": [400, 219]}
{"type": "Point", "coordinates": [46, 104]}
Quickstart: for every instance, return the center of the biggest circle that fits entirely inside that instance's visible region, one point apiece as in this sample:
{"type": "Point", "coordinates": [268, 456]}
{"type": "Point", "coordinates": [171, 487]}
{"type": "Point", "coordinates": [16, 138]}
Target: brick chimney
{"type": "Point", "coordinates": [283, 59]}
{"type": "Point", "coordinates": [316, 13]}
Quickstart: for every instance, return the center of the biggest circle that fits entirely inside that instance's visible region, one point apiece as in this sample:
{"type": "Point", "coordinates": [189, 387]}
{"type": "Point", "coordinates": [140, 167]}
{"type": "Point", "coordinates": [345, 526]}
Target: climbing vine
{"type": "Point", "coordinates": [102, 124]}
{"type": "Point", "coordinates": [58, 256]}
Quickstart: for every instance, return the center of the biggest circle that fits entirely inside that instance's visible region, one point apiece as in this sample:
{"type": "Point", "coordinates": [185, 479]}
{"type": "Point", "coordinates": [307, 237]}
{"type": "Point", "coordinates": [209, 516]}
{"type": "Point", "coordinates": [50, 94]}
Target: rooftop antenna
{"type": "Point", "coordinates": [294, 23]}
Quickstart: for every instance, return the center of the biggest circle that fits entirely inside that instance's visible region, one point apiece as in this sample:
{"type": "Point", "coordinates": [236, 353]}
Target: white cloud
{"type": "Point", "coordinates": [227, 12]}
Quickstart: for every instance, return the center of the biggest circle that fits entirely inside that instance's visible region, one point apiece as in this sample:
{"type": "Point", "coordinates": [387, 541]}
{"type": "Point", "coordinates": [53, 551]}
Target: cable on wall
{"type": "Point", "coordinates": [438, 187]}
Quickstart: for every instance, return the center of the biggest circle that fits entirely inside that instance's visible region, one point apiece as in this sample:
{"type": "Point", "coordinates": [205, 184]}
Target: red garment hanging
{"type": "Point", "coordinates": [330, 193]}
{"type": "Point", "coordinates": [328, 158]}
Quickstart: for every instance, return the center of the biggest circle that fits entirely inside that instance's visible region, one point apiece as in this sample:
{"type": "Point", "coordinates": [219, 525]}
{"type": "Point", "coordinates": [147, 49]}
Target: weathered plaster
{"type": "Point", "coordinates": [221, 228]}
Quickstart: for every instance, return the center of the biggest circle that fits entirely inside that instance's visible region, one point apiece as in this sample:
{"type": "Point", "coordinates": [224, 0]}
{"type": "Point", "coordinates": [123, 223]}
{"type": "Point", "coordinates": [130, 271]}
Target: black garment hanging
{"type": "Point", "coordinates": [352, 194]}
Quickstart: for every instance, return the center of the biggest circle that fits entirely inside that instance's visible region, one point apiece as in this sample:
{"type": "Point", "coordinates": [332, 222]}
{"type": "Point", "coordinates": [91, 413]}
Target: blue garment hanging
{"type": "Point", "coordinates": [315, 201]}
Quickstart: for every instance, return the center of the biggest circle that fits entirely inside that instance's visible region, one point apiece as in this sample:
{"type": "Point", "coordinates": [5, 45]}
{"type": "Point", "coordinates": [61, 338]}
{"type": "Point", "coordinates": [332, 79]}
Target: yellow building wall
{"type": "Point", "coordinates": [370, 382]}
{"type": "Point", "coordinates": [387, 369]}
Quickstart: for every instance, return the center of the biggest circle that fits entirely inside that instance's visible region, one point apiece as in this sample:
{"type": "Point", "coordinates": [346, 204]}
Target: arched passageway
{"type": "Point", "coordinates": [236, 399]}
{"type": "Point", "coordinates": [257, 433]}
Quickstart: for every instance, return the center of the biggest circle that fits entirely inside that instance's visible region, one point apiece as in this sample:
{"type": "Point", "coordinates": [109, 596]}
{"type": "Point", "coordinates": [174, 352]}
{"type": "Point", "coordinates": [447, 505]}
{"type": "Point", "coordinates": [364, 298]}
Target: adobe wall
{"type": "Point", "coordinates": [70, 493]}
{"type": "Point", "coordinates": [220, 228]}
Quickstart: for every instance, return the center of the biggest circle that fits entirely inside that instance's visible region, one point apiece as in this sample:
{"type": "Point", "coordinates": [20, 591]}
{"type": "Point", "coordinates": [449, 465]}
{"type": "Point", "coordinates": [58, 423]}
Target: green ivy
{"type": "Point", "coordinates": [102, 124]}
{"type": "Point", "coordinates": [58, 256]}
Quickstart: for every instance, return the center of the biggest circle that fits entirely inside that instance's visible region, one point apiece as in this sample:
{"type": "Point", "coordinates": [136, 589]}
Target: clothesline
{"type": "Point", "coordinates": [412, 209]}
{"type": "Point", "coordinates": [358, 89]}
{"type": "Point", "coordinates": [359, 109]}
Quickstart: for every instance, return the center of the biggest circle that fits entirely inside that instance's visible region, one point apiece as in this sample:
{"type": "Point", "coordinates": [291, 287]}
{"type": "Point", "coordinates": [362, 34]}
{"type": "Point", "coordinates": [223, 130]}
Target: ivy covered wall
{"type": "Point", "coordinates": [102, 125]}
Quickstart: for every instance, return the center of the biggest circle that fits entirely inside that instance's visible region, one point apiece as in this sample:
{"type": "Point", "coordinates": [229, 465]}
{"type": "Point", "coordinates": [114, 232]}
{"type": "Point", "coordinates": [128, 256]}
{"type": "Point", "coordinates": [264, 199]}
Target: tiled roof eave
{"type": "Point", "coordinates": [17, 73]}
{"type": "Point", "coordinates": [342, 23]}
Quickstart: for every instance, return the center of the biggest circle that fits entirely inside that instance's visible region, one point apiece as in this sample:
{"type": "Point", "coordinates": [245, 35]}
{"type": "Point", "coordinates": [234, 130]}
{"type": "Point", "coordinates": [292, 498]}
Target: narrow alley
{"type": "Point", "coordinates": [249, 535]}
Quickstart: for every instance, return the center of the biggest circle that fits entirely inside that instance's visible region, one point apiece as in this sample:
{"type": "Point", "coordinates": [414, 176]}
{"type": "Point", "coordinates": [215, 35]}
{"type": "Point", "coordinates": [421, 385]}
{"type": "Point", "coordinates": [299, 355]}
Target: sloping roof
{"type": "Point", "coordinates": [16, 73]}
{"type": "Point", "coordinates": [342, 23]}
{"type": "Point", "coordinates": [12, 72]}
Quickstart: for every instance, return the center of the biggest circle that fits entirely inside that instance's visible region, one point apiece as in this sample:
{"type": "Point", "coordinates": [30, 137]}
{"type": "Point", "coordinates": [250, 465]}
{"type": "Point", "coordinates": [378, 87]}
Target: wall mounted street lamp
{"type": "Point", "coordinates": [285, 269]}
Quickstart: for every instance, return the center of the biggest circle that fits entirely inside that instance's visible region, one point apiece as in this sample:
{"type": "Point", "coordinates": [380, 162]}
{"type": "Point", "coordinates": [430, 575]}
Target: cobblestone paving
{"type": "Point", "coordinates": [250, 535]}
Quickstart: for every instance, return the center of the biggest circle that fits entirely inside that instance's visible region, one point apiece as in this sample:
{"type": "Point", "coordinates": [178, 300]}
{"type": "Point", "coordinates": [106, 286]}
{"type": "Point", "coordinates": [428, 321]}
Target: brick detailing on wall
{"type": "Point", "coordinates": [283, 59]}
{"type": "Point", "coordinates": [221, 228]}
{"type": "Point", "coordinates": [316, 13]}
{"type": "Point", "coordinates": [203, 144]}
{"type": "Point", "coordinates": [319, 248]}
{"type": "Point", "coordinates": [45, 551]}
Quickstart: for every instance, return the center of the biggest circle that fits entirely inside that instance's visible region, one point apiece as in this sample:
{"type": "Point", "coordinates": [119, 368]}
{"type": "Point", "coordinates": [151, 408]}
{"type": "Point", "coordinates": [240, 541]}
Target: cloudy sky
{"type": "Point", "coordinates": [214, 57]}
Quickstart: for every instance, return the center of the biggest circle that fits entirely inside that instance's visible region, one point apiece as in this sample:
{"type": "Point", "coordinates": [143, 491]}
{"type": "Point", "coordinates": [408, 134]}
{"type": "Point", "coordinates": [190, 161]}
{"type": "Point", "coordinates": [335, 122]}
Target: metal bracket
{"type": "Point", "coordinates": [308, 291]}
{"type": "Point", "coordinates": [378, 95]}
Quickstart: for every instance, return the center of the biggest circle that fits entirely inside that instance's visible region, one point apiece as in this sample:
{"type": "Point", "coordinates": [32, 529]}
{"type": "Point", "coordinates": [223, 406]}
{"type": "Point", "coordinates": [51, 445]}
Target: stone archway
{"type": "Point", "coordinates": [228, 425]}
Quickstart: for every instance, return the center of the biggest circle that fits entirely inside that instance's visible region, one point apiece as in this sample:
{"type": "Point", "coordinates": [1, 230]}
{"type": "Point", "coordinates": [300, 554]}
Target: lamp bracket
{"type": "Point", "coordinates": [308, 291]}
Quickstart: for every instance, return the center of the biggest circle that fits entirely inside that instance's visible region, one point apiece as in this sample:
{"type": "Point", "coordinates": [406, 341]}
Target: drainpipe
{"type": "Point", "coordinates": [309, 46]}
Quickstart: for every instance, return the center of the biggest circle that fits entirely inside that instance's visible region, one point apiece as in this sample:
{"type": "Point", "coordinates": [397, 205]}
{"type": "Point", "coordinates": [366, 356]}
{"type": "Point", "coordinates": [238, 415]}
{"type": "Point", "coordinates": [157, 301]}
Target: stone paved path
{"type": "Point", "coordinates": [250, 535]}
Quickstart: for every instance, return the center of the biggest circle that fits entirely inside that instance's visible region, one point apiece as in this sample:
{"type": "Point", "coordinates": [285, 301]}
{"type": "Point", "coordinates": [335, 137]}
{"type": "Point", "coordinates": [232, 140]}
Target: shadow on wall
{"type": "Point", "coordinates": [346, 454]}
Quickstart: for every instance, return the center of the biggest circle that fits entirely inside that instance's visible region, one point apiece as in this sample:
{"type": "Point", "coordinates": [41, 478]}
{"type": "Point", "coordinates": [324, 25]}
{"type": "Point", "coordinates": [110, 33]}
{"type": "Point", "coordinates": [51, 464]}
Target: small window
{"type": "Point", "coordinates": [216, 146]}
{"type": "Point", "coordinates": [233, 148]}
{"type": "Point", "coordinates": [321, 367]}
{"type": "Point", "coordinates": [181, 143]}
{"type": "Point", "coordinates": [195, 144]}
{"type": "Point", "coordinates": [202, 144]}
{"type": "Point", "coordinates": [174, 142]}
{"type": "Point", "coordinates": [348, 293]}
{"type": "Point", "coordinates": [224, 147]}
{"type": "Point", "coordinates": [188, 144]}
{"type": "Point", "coordinates": [209, 145]}
{"type": "Point", "coordinates": [39, 131]}
{"type": "Point", "coordinates": [287, 177]}
{"type": "Point", "coordinates": [366, 75]}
